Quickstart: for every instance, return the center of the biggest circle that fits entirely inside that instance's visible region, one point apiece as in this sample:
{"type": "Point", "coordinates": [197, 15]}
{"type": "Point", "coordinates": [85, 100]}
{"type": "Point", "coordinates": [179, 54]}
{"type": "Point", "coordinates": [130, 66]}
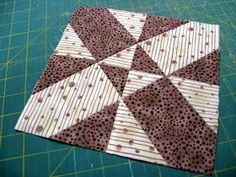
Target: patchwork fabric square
{"type": "Point", "coordinates": [131, 84]}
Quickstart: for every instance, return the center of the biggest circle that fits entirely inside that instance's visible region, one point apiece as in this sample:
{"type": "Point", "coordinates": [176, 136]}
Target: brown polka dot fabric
{"type": "Point", "coordinates": [142, 62]}
{"type": "Point", "coordinates": [178, 132]}
{"type": "Point", "coordinates": [206, 69]}
{"type": "Point", "coordinates": [60, 67]}
{"type": "Point", "coordinates": [134, 85]}
{"type": "Point", "coordinates": [116, 75]}
{"type": "Point", "coordinates": [155, 25]}
{"type": "Point", "coordinates": [92, 132]}
{"type": "Point", "coordinates": [100, 31]}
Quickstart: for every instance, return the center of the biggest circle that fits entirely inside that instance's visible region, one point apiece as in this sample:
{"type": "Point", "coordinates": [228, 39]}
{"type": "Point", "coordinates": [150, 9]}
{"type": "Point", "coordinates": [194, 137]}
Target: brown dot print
{"type": "Point", "coordinates": [173, 61]}
{"type": "Point", "coordinates": [26, 117]}
{"type": "Point", "coordinates": [142, 62]}
{"type": "Point", "coordinates": [40, 100]}
{"type": "Point", "coordinates": [155, 25]}
{"type": "Point", "coordinates": [140, 77]}
{"type": "Point", "coordinates": [72, 84]}
{"type": "Point", "coordinates": [131, 142]}
{"type": "Point", "coordinates": [164, 35]}
{"type": "Point", "coordinates": [100, 31]}
{"type": "Point", "coordinates": [116, 75]}
{"type": "Point", "coordinates": [118, 55]}
{"type": "Point", "coordinates": [148, 42]}
{"type": "Point", "coordinates": [190, 29]}
{"type": "Point", "coordinates": [118, 147]}
{"type": "Point", "coordinates": [39, 128]}
{"type": "Point", "coordinates": [125, 130]}
{"type": "Point", "coordinates": [151, 148]}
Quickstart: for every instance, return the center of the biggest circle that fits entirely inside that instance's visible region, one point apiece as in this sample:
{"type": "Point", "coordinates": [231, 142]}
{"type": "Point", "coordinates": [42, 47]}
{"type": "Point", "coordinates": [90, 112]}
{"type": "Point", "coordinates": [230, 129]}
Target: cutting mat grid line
{"type": "Point", "coordinates": [29, 33]}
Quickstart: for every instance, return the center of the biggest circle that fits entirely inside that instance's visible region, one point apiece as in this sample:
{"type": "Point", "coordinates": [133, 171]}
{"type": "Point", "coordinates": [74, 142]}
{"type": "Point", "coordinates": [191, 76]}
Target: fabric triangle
{"type": "Point", "coordinates": [173, 126]}
{"type": "Point", "coordinates": [100, 31]}
{"type": "Point", "coordinates": [60, 67]}
{"type": "Point", "coordinates": [206, 69]}
{"type": "Point", "coordinates": [71, 44]}
{"type": "Point", "coordinates": [129, 140]}
{"type": "Point", "coordinates": [133, 22]}
{"type": "Point", "coordinates": [92, 132]}
{"type": "Point", "coordinates": [142, 62]}
{"type": "Point", "coordinates": [155, 25]}
{"type": "Point", "coordinates": [116, 75]}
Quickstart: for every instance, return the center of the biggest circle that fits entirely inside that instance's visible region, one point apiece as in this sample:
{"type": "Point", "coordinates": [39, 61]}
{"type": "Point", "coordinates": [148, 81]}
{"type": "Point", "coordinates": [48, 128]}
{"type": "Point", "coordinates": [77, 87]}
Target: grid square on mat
{"type": "Point", "coordinates": [131, 84]}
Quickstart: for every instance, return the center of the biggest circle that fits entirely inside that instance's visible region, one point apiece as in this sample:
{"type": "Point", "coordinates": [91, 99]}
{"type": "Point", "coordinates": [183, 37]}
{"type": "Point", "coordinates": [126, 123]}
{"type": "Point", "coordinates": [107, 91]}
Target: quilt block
{"type": "Point", "coordinates": [134, 85]}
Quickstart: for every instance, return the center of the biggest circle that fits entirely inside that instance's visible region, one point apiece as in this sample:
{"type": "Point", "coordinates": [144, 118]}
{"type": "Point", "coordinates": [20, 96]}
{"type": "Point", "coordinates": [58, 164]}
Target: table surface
{"type": "Point", "coordinates": [29, 32]}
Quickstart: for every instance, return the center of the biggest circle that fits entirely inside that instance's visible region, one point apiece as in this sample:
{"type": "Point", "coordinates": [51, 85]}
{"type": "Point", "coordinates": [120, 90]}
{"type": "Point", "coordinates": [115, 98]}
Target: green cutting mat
{"type": "Point", "coordinates": [29, 32]}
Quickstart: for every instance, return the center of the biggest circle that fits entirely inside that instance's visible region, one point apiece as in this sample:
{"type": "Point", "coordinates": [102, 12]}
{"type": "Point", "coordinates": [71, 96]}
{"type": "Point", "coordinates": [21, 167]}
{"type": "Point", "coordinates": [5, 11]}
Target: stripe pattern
{"type": "Point", "coordinates": [129, 140]}
{"type": "Point", "coordinates": [62, 104]}
{"type": "Point", "coordinates": [202, 96]}
{"type": "Point", "coordinates": [137, 80]}
{"type": "Point", "coordinates": [183, 45]}
{"type": "Point", "coordinates": [133, 22]}
{"type": "Point", "coordinates": [70, 44]}
{"type": "Point", "coordinates": [122, 59]}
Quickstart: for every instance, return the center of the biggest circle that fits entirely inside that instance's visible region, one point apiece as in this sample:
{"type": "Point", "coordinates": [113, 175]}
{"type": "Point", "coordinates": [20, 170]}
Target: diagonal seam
{"type": "Point", "coordinates": [189, 104]}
